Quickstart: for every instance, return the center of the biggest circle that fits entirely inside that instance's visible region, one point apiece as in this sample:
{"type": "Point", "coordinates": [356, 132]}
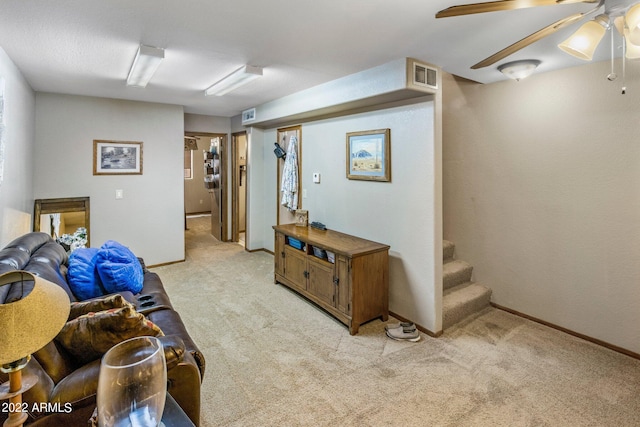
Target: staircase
{"type": "Point", "coordinates": [462, 297]}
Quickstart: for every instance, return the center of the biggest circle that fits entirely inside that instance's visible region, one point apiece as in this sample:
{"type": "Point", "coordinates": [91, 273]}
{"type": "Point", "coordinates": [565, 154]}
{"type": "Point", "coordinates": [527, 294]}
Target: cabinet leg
{"type": "Point", "coordinates": [385, 316]}
{"type": "Point", "coordinates": [353, 328]}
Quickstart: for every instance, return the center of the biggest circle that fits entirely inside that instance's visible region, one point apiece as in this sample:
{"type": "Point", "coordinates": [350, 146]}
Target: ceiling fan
{"type": "Point", "coordinates": [623, 14]}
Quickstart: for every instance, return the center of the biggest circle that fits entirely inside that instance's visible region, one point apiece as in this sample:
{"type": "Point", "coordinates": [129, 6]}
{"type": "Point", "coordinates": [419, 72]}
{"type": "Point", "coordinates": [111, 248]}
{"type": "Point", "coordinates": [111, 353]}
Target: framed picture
{"type": "Point", "coordinates": [117, 157]}
{"type": "Point", "coordinates": [302, 217]}
{"type": "Point", "coordinates": [369, 155]}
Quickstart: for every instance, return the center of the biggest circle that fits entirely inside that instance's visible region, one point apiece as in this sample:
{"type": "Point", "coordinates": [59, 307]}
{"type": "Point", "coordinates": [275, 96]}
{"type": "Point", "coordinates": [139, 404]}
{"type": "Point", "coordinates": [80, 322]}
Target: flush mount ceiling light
{"type": "Point", "coordinates": [518, 70]}
{"type": "Point", "coordinates": [144, 65]}
{"type": "Point", "coordinates": [238, 78]}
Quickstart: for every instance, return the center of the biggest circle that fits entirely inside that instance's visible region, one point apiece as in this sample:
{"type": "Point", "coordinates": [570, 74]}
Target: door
{"type": "Point", "coordinates": [295, 263]}
{"type": "Point", "coordinates": [321, 281]}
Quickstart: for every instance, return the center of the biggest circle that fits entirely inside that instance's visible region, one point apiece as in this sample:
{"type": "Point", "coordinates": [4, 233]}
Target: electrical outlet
{"type": "Point", "coordinates": [316, 177]}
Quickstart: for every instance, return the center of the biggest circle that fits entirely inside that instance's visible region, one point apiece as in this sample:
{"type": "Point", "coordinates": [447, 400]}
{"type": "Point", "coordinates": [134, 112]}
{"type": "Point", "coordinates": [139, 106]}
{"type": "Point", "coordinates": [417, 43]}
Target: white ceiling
{"type": "Point", "coordinates": [86, 47]}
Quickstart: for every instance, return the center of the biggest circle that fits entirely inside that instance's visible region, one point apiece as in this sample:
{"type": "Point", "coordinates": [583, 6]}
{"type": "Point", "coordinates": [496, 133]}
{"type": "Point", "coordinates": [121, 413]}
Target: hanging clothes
{"type": "Point", "coordinates": [289, 185]}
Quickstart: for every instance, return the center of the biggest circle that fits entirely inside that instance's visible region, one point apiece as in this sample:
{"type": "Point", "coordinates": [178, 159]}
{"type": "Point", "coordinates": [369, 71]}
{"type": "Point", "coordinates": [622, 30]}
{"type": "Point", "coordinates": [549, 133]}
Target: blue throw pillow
{"type": "Point", "coordinates": [82, 275]}
{"type": "Point", "coordinates": [119, 269]}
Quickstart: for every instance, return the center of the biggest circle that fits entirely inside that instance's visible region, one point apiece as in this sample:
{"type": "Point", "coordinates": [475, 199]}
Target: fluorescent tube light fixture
{"type": "Point", "coordinates": [234, 80]}
{"type": "Point", "coordinates": [144, 65]}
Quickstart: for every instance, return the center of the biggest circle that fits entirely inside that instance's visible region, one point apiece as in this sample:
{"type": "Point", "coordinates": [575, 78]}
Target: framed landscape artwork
{"type": "Point", "coordinates": [117, 157]}
{"type": "Point", "coordinates": [369, 155]}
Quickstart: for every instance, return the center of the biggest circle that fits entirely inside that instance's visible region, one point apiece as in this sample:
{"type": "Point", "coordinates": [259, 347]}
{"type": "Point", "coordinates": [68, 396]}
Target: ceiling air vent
{"type": "Point", "coordinates": [425, 76]}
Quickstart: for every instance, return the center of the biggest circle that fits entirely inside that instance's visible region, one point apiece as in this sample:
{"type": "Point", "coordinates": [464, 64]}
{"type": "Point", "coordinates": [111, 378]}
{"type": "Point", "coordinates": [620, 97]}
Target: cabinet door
{"type": "Point", "coordinates": [343, 299]}
{"type": "Point", "coordinates": [295, 262]}
{"type": "Point", "coordinates": [279, 254]}
{"type": "Point", "coordinates": [320, 282]}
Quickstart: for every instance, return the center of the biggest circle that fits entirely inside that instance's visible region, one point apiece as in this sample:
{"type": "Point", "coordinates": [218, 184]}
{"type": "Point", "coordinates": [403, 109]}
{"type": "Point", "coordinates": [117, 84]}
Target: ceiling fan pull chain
{"type": "Point", "coordinates": [624, 65]}
{"type": "Point", "coordinates": [612, 75]}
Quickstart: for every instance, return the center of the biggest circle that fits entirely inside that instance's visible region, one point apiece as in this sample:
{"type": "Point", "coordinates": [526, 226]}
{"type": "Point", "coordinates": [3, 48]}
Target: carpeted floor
{"type": "Point", "coordinates": [274, 359]}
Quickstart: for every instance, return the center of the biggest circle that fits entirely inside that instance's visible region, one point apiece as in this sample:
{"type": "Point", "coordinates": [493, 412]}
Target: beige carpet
{"type": "Point", "coordinates": [273, 359]}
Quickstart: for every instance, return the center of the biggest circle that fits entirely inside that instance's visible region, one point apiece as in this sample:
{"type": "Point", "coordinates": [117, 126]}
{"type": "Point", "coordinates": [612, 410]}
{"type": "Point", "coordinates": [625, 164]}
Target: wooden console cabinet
{"type": "Point", "coordinates": [354, 288]}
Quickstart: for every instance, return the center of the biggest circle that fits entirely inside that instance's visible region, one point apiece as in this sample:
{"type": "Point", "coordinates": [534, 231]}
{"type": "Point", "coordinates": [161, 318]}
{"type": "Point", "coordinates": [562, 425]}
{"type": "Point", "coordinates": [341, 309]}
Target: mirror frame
{"type": "Point", "coordinates": [69, 204]}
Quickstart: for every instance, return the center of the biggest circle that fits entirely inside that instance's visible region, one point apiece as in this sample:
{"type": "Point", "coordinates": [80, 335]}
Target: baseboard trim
{"type": "Point", "coordinates": [419, 327]}
{"type": "Point", "coordinates": [166, 263]}
{"type": "Point", "coordinates": [259, 250]}
{"type": "Point", "coordinates": [569, 331]}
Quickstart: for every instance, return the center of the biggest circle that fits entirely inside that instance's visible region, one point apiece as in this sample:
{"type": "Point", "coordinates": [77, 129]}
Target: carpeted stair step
{"type": "Point", "coordinates": [455, 272]}
{"type": "Point", "coordinates": [447, 250]}
{"type": "Point", "coordinates": [462, 301]}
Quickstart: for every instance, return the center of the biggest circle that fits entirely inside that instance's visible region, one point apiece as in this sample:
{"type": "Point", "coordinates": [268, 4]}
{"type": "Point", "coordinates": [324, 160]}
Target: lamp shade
{"type": "Point", "coordinates": [30, 323]}
{"type": "Point", "coordinates": [583, 43]}
{"type": "Point", "coordinates": [632, 19]}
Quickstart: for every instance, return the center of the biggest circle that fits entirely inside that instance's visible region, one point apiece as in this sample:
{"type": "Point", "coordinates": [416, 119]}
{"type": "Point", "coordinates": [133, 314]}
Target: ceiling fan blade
{"type": "Point", "coordinates": [532, 38]}
{"type": "Point", "coordinates": [495, 6]}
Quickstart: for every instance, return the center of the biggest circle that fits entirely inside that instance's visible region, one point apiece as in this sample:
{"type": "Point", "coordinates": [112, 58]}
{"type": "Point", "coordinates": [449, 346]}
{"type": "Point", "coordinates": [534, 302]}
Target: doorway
{"type": "Point", "coordinates": [239, 187]}
{"type": "Point", "coordinates": [205, 183]}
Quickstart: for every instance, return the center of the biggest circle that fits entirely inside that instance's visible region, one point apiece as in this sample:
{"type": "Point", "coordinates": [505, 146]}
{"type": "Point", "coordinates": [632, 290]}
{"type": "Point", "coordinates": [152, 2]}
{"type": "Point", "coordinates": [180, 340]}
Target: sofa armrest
{"type": "Point", "coordinates": [80, 386]}
{"type": "Point", "coordinates": [173, 350]}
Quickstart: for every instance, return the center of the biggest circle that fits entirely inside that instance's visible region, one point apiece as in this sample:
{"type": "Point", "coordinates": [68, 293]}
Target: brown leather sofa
{"type": "Point", "coordinates": [63, 381]}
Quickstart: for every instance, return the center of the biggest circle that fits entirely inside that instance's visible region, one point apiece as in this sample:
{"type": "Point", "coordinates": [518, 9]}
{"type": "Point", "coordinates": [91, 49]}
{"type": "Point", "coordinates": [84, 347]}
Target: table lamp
{"type": "Point", "coordinates": [27, 325]}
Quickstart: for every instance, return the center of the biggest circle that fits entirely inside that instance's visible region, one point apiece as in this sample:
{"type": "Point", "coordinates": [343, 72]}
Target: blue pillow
{"type": "Point", "coordinates": [119, 269]}
{"type": "Point", "coordinates": [82, 275]}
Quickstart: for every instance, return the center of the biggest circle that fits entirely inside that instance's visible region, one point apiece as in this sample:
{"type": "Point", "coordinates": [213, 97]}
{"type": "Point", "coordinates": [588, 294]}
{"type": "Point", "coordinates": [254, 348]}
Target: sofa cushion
{"type": "Point", "coordinates": [119, 269]}
{"type": "Point", "coordinates": [89, 336]}
{"type": "Point", "coordinates": [82, 276]}
{"type": "Point", "coordinates": [99, 304]}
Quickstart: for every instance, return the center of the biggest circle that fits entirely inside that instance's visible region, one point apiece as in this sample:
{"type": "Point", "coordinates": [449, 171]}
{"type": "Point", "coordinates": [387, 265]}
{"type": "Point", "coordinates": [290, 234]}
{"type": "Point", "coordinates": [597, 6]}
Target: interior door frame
{"type": "Point", "coordinates": [224, 217]}
{"type": "Point", "coordinates": [235, 184]}
{"type": "Point", "coordinates": [284, 133]}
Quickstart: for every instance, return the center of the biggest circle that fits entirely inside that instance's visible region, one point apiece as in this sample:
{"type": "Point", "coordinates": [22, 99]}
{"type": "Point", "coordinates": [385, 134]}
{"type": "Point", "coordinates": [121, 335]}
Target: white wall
{"type": "Point", "coordinates": [150, 217]}
{"type": "Point", "coordinates": [16, 190]}
{"type": "Point", "coordinates": [261, 184]}
{"type": "Point", "coordinates": [542, 195]}
{"type": "Point", "coordinates": [202, 123]}
{"type": "Point", "coordinates": [400, 213]}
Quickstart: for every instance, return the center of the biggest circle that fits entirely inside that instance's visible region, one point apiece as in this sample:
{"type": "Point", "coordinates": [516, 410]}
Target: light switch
{"type": "Point", "coordinates": [304, 193]}
{"type": "Point", "coordinates": [316, 177]}
{"type": "Point", "coordinates": [119, 194]}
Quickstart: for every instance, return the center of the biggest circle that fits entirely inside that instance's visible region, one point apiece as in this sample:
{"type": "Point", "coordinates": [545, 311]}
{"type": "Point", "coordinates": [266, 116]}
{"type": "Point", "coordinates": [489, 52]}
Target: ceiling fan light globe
{"type": "Point", "coordinates": [634, 36]}
{"type": "Point", "coordinates": [583, 43]}
{"type": "Point", "coordinates": [632, 50]}
{"type": "Point", "coordinates": [632, 21]}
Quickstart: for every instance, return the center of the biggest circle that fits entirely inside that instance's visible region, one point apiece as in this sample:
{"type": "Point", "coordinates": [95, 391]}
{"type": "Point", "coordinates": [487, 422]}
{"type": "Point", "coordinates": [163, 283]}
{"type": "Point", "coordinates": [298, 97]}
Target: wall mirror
{"type": "Point", "coordinates": [61, 216]}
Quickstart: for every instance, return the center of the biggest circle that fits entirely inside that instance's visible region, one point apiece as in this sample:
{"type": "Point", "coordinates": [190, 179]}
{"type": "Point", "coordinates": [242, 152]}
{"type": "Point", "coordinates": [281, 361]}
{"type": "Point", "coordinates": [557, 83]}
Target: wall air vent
{"type": "Point", "coordinates": [424, 75]}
